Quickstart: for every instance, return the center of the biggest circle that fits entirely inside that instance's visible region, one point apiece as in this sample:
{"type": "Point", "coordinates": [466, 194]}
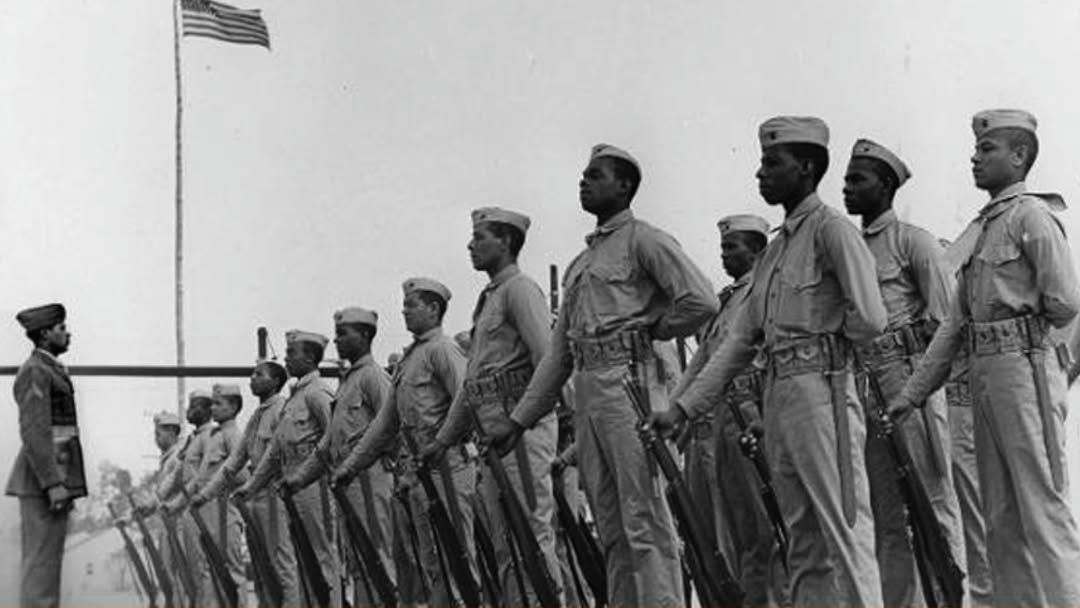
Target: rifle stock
{"type": "Point", "coordinates": [187, 579]}
{"type": "Point", "coordinates": [310, 568]}
{"type": "Point", "coordinates": [582, 544]}
{"type": "Point", "coordinates": [710, 571]}
{"type": "Point", "coordinates": [365, 549]}
{"type": "Point", "coordinates": [161, 572]}
{"type": "Point", "coordinates": [136, 561]}
{"type": "Point", "coordinates": [219, 570]}
{"type": "Point", "coordinates": [933, 554]}
{"type": "Point", "coordinates": [260, 554]}
{"type": "Point", "coordinates": [446, 533]}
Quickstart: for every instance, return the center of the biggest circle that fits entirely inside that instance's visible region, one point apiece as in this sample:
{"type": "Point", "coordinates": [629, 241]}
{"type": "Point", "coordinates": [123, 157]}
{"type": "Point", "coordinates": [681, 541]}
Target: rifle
{"type": "Point", "coordinates": [517, 522]}
{"type": "Point", "coordinates": [187, 579]}
{"type": "Point", "coordinates": [707, 565]}
{"type": "Point", "coordinates": [933, 554]}
{"type": "Point", "coordinates": [260, 554]}
{"type": "Point", "coordinates": [365, 549]}
{"type": "Point", "coordinates": [310, 568]}
{"type": "Point", "coordinates": [161, 572]}
{"type": "Point", "coordinates": [489, 564]}
{"type": "Point", "coordinates": [582, 544]}
{"type": "Point", "coordinates": [755, 452]}
{"type": "Point", "coordinates": [445, 532]}
{"type": "Point", "coordinates": [414, 542]}
{"type": "Point", "coordinates": [224, 584]}
{"type": "Point", "coordinates": [136, 560]}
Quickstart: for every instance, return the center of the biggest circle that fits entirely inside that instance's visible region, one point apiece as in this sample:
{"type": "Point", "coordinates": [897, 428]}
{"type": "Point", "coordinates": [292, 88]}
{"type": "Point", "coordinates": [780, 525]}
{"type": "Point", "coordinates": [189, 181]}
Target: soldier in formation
{"type": "Point", "coordinates": [828, 345]}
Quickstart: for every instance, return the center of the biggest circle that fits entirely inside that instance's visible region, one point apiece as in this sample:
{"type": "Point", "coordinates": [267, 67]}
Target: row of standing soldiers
{"type": "Point", "coordinates": [829, 346]}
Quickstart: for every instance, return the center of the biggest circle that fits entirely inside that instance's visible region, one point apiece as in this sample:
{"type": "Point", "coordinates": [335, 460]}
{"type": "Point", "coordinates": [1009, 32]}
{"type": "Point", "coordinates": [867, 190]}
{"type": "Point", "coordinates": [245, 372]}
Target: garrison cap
{"type": "Point", "coordinates": [498, 214]}
{"type": "Point", "coordinates": [166, 419]}
{"type": "Point", "coordinates": [988, 120]}
{"type": "Point", "coordinates": [227, 390]}
{"type": "Point", "coordinates": [602, 150]}
{"type": "Point", "coordinates": [425, 284]}
{"type": "Point", "coordinates": [793, 130]}
{"type": "Point", "coordinates": [295, 335]}
{"type": "Point", "coordinates": [355, 314]}
{"type": "Point", "coordinates": [865, 148]}
{"type": "Point", "coordinates": [41, 317]}
{"type": "Point", "coordinates": [743, 222]}
{"type": "Point", "coordinates": [199, 394]}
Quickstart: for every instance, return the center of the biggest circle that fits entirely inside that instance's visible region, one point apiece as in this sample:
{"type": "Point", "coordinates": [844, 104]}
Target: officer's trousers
{"type": "Point", "coordinates": [926, 432]}
{"type": "Point", "coordinates": [832, 563]}
{"type": "Point", "coordinates": [1031, 536]}
{"type": "Point", "coordinates": [269, 512]}
{"type": "Point", "coordinates": [626, 490]}
{"type": "Point", "coordinates": [966, 483]}
{"type": "Point", "coordinates": [43, 534]}
{"type": "Point", "coordinates": [539, 442]}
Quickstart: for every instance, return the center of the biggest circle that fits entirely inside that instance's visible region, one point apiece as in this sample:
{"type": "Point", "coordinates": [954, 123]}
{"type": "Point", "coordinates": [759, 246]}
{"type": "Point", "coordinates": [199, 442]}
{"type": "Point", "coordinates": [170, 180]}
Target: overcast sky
{"type": "Point", "coordinates": [324, 172]}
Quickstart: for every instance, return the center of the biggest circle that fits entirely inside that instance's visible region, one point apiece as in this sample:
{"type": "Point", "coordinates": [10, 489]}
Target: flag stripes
{"type": "Point", "coordinates": [220, 21]}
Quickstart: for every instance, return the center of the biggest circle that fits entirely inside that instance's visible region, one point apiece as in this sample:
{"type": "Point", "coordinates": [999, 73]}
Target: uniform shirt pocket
{"type": "Point", "coordinates": [800, 305]}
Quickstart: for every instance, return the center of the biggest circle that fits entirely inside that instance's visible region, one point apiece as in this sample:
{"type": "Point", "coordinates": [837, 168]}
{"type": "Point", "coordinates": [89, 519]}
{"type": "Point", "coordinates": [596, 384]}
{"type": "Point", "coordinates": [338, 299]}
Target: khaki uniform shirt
{"type": "Point", "coordinates": [631, 276]}
{"type": "Point", "coordinates": [258, 433]}
{"type": "Point", "coordinates": [816, 277]}
{"type": "Point", "coordinates": [511, 331]}
{"type": "Point", "coordinates": [425, 383]}
{"type": "Point", "coordinates": [224, 440]}
{"type": "Point", "coordinates": [304, 418]}
{"type": "Point", "coordinates": [1016, 262]}
{"type": "Point", "coordinates": [363, 392]}
{"type": "Point", "coordinates": [914, 279]}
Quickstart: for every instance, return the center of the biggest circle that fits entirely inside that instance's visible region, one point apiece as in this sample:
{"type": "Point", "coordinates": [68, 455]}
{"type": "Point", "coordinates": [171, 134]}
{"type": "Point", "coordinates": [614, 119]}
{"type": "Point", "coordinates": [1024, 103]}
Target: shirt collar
{"type": "Point", "coordinates": [503, 275]}
{"type": "Point", "coordinates": [614, 222]}
{"type": "Point", "coordinates": [275, 399]}
{"type": "Point", "coordinates": [881, 222]}
{"type": "Point", "coordinates": [801, 211]}
{"type": "Point", "coordinates": [996, 205]}
{"type": "Point", "coordinates": [51, 358]}
{"type": "Point", "coordinates": [361, 362]}
{"type": "Point", "coordinates": [231, 422]}
{"type": "Point", "coordinates": [306, 379]}
{"type": "Point", "coordinates": [428, 335]}
{"type": "Point", "coordinates": [204, 427]}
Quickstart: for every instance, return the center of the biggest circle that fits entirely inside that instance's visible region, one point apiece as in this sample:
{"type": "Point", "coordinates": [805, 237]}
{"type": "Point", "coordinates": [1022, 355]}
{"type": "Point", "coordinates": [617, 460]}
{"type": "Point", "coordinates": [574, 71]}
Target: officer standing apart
{"type": "Point", "coordinates": [511, 334]}
{"type": "Point", "coordinates": [722, 480]}
{"type": "Point", "coordinates": [915, 285]}
{"type": "Point", "coordinates": [363, 391]}
{"type": "Point", "coordinates": [267, 380]}
{"type": "Point", "coordinates": [632, 284]}
{"type": "Point", "coordinates": [304, 418]}
{"type": "Point", "coordinates": [815, 295]}
{"type": "Point", "coordinates": [1016, 281]}
{"type": "Point", "coordinates": [48, 473]}
{"type": "Point", "coordinates": [426, 382]}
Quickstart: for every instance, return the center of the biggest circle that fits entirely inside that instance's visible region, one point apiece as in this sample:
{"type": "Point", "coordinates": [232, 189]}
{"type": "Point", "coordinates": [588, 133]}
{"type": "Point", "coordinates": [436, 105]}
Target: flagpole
{"type": "Point", "coordinates": [178, 259]}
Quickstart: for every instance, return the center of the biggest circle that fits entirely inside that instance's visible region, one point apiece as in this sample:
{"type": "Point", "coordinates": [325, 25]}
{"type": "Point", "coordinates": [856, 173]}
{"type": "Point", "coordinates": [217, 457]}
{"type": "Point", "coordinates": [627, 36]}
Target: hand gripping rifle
{"type": "Point", "coordinates": [456, 556]}
{"type": "Point", "coordinates": [260, 554]}
{"type": "Point", "coordinates": [709, 569]}
{"type": "Point", "coordinates": [136, 560]}
{"type": "Point", "coordinates": [161, 572]}
{"type": "Point", "coordinates": [310, 568]}
{"type": "Point", "coordinates": [933, 554]}
{"type": "Point", "coordinates": [219, 570]}
{"type": "Point", "coordinates": [755, 452]}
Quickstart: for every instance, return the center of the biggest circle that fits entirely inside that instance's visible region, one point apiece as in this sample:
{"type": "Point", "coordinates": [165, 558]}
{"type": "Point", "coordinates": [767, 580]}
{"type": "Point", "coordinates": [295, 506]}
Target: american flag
{"type": "Point", "coordinates": [223, 22]}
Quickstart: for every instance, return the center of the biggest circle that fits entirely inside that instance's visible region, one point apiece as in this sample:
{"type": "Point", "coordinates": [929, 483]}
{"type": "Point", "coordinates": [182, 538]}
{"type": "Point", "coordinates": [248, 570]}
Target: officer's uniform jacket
{"type": "Point", "coordinates": [51, 453]}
